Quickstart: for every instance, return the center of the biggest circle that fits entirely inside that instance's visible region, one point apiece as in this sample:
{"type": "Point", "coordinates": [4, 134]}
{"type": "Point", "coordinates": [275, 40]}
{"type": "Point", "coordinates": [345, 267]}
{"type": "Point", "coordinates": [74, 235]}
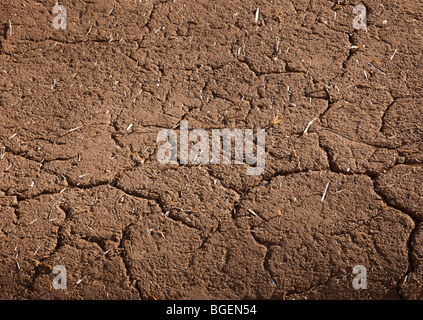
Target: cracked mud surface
{"type": "Point", "coordinates": [80, 184]}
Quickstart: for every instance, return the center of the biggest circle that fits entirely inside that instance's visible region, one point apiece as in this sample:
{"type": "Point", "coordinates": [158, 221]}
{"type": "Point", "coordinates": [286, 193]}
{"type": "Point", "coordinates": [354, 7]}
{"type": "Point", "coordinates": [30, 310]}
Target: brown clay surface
{"type": "Point", "coordinates": [96, 200]}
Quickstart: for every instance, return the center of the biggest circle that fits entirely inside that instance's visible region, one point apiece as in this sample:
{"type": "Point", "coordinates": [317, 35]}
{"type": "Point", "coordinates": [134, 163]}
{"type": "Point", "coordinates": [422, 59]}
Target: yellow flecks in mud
{"type": "Point", "coordinates": [363, 85]}
{"type": "Point", "coordinates": [276, 120]}
{"type": "Point", "coordinates": [360, 47]}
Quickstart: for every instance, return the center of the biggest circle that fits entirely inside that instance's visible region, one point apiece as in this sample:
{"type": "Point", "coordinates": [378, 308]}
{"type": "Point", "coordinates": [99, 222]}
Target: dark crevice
{"type": "Point", "coordinates": [350, 54]}
{"type": "Point", "coordinates": [411, 238]}
{"type": "Point", "coordinates": [123, 254]}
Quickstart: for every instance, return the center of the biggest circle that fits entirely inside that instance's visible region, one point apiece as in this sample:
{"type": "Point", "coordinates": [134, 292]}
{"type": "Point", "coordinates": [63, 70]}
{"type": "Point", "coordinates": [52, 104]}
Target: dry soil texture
{"type": "Point", "coordinates": [81, 185]}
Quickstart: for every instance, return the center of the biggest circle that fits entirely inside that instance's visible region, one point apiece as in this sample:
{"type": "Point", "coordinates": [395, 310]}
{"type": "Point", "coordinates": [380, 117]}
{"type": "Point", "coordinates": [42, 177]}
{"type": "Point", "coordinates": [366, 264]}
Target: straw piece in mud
{"type": "Point", "coordinates": [324, 193]}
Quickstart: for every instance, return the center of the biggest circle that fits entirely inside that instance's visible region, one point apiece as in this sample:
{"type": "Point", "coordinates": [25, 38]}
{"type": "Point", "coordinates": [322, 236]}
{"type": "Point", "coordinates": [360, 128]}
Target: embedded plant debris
{"type": "Point", "coordinates": [81, 187]}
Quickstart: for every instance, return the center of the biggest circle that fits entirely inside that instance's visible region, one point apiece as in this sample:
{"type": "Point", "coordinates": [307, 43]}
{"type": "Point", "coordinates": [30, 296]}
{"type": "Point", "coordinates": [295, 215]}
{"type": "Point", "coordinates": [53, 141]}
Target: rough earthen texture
{"type": "Point", "coordinates": [81, 186]}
